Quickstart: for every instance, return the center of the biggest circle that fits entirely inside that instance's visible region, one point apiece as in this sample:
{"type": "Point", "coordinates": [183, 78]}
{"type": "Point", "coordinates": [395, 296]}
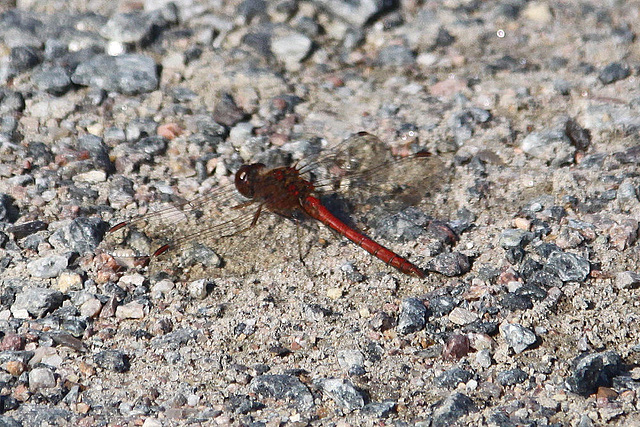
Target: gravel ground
{"type": "Point", "coordinates": [527, 316]}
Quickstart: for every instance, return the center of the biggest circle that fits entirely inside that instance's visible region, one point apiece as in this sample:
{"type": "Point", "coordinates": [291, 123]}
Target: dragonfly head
{"type": "Point", "coordinates": [246, 178]}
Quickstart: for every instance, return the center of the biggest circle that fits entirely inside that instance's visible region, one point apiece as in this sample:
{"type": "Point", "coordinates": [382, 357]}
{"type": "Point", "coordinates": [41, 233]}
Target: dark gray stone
{"type": "Point", "coordinates": [450, 264]}
{"type": "Point", "coordinates": [355, 12]}
{"type": "Point", "coordinates": [23, 58]}
{"type": "Point", "coordinates": [511, 377]}
{"type": "Point", "coordinates": [579, 136]}
{"type": "Point", "coordinates": [404, 226]}
{"type": "Point", "coordinates": [593, 370]}
{"type": "Point", "coordinates": [567, 266]}
{"type": "Point", "coordinates": [174, 340]}
{"type": "Point", "coordinates": [453, 377]}
{"type": "Point", "coordinates": [129, 74]}
{"type": "Point", "coordinates": [412, 317]}
{"type": "Point", "coordinates": [112, 360]}
{"type": "Point", "coordinates": [97, 150]}
{"type": "Point", "coordinates": [249, 9]}
{"type": "Point", "coordinates": [133, 27]}
{"type": "Point", "coordinates": [346, 396]}
{"type": "Point", "coordinates": [151, 145]}
{"type": "Point", "coordinates": [379, 409]}
{"type": "Point", "coordinates": [441, 305]}
{"type": "Point", "coordinates": [8, 211]}
{"type": "Point", "coordinates": [283, 387]}
{"type": "Point", "coordinates": [10, 101]}
{"type": "Point", "coordinates": [52, 79]}
{"type": "Point", "coordinates": [23, 356]}
{"type": "Point", "coordinates": [37, 301]}
{"type": "Point", "coordinates": [82, 235]}
{"type": "Point", "coordinates": [451, 409]}
{"type": "Point", "coordinates": [614, 72]}
{"type": "Point", "coordinates": [512, 301]}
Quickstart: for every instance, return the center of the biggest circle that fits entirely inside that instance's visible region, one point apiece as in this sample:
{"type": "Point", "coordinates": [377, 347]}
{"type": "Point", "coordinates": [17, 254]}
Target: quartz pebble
{"type": "Point", "coordinates": [517, 336]}
{"type": "Point", "coordinates": [627, 279]}
{"type": "Point", "coordinates": [40, 378]}
{"type": "Point", "coordinates": [132, 310]}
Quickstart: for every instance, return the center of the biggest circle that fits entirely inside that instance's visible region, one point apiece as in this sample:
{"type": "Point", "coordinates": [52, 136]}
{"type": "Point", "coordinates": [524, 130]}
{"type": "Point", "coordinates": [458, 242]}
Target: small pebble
{"type": "Point", "coordinates": [614, 72]}
{"type": "Point", "coordinates": [129, 74]}
{"type": "Point", "coordinates": [152, 422]}
{"type": "Point", "coordinates": [226, 111]}
{"type": "Point", "coordinates": [590, 370]}
{"type": "Point", "coordinates": [283, 387]}
{"type": "Point", "coordinates": [169, 131]}
{"type": "Point", "coordinates": [522, 223]}
{"type": "Point", "coordinates": [36, 301]}
{"type": "Point", "coordinates": [343, 393]}
{"type": "Point", "coordinates": [15, 367]}
{"type": "Point", "coordinates": [441, 305]}
{"type": "Point", "coordinates": [568, 266]}
{"type": "Point", "coordinates": [481, 341]}
{"type": "Point", "coordinates": [334, 293]}
{"type": "Point", "coordinates": [515, 238]}
{"type": "Point", "coordinates": [538, 12]}
{"type": "Point", "coordinates": [69, 281]}
{"type": "Point", "coordinates": [450, 409]}
{"type": "Point", "coordinates": [113, 360]}
{"type": "Point", "coordinates": [412, 316]}
{"type": "Point", "coordinates": [40, 378]}
{"type": "Point", "coordinates": [483, 358]}
{"type": "Point", "coordinates": [12, 342]}
{"type": "Point", "coordinates": [462, 316]}
{"type": "Point", "coordinates": [52, 79]}
{"type": "Point", "coordinates": [198, 289]}
{"type": "Point", "coordinates": [553, 147]}
{"type": "Point", "coordinates": [511, 377]}
{"type": "Point", "coordinates": [379, 409]}
{"type": "Point", "coordinates": [517, 336]}
{"type": "Point", "coordinates": [91, 308]}
{"type": "Point", "coordinates": [82, 235]}
{"type": "Point", "coordinates": [456, 347]}
{"type": "Point", "coordinates": [133, 27]}
{"type": "Point", "coordinates": [450, 264]}
{"type": "Point", "coordinates": [356, 13]}
{"type": "Point", "coordinates": [48, 267]}
{"type": "Point", "coordinates": [381, 322]}
{"type": "Point", "coordinates": [352, 361]}
{"type": "Point", "coordinates": [452, 377]}
{"type": "Point", "coordinates": [291, 49]}
{"type": "Point", "coordinates": [132, 310]}
{"type": "Point", "coordinates": [627, 280]}
{"type": "Point", "coordinates": [91, 177]}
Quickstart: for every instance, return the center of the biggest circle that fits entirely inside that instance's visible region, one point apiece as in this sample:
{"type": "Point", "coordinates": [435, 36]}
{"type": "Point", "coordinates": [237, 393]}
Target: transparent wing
{"type": "Point", "coordinates": [363, 176]}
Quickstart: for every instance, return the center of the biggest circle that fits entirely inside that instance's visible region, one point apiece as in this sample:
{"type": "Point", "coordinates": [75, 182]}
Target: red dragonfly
{"type": "Point", "coordinates": [292, 192]}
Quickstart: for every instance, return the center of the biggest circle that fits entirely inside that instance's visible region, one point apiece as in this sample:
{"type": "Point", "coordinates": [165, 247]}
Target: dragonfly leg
{"type": "Point", "coordinates": [242, 205]}
{"type": "Point", "coordinates": [256, 216]}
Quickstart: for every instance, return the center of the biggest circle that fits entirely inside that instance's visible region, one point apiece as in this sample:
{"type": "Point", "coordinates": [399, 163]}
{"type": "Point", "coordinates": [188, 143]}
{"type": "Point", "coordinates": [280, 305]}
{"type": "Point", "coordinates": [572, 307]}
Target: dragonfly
{"type": "Point", "coordinates": [294, 192]}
